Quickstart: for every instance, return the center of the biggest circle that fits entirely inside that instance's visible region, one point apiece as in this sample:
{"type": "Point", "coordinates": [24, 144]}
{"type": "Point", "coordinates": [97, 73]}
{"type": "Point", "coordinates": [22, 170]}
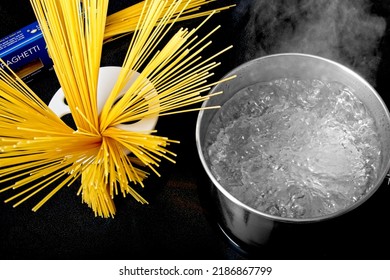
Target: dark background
{"type": "Point", "coordinates": [178, 222]}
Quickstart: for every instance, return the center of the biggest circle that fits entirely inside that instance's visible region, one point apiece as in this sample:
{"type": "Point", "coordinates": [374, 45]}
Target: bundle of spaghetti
{"type": "Point", "coordinates": [176, 73]}
{"type": "Point", "coordinates": [38, 150]}
{"type": "Point", "coordinates": [36, 145]}
{"type": "Point", "coordinates": [125, 21]}
{"type": "Point", "coordinates": [73, 31]}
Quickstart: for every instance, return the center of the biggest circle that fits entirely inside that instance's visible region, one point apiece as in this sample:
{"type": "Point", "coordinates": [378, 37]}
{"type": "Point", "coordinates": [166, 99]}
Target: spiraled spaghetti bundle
{"type": "Point", "coordinates": [39, 151]}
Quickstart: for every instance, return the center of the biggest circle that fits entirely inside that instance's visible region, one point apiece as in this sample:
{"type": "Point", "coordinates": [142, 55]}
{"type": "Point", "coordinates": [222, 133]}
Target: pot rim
{"type": "Point", "coordinates": [221, 189]}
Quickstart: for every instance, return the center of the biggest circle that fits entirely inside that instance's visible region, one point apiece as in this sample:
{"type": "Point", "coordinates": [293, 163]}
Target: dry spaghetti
{"type": "Point", "coordinates": [39, 152]}
{"type": "Point", "coordinates": [125, 21]}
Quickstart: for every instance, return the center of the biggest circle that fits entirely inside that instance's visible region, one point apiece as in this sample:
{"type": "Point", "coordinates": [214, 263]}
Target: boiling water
{"type": "Point", "coordinates": [294, 148]}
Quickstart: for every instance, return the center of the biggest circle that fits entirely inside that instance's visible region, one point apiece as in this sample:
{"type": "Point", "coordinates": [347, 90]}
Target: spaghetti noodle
{"type": "Point", "coordinates": [125, 21]}
{"type": "Point", "coordinates": [39, 151]}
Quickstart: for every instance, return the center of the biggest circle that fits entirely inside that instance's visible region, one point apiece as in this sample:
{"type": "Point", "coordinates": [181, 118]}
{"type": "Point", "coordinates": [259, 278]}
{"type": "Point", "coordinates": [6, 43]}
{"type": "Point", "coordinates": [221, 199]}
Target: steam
{"type": "Point", "coordinates": [342, 30]}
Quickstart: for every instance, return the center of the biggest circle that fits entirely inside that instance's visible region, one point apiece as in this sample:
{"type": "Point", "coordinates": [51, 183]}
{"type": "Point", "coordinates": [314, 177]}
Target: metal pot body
{"type": "Point", "coordinates": [248, 225]}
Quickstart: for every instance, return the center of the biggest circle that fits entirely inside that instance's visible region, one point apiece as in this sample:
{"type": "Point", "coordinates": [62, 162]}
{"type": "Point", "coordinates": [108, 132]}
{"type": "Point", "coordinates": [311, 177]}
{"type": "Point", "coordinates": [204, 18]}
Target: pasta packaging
{"type": "Point", "coordinates": [25, 52]}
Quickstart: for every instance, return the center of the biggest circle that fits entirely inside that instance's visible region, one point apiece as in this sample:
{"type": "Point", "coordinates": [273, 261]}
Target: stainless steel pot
{"type": "Point", "coordinates": [240, 221]}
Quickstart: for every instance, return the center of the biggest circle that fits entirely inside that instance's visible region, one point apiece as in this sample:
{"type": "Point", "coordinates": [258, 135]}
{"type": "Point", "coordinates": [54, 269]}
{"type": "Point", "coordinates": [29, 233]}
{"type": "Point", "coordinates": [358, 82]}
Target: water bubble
{"type": "Point", "coordinates": [295, 148]}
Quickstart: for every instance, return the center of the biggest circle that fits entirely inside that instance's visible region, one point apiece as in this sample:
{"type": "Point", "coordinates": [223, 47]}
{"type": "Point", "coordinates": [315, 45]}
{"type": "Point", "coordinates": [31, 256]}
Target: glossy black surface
{"type": "Point", "coordinates": [179, 223]}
